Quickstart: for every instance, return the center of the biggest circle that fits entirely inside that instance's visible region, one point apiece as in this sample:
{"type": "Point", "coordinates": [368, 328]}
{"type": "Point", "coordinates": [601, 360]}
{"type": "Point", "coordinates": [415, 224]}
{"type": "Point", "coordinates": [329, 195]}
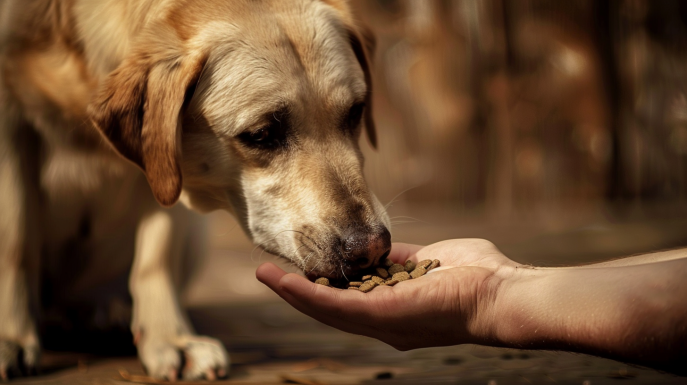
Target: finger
{"type": "Point", "coordinates": [269, 274]}
{"type": "Point", "coordinates": [272, 276]}
{"type": "Point", "coordinates": [336, 314]}
{"type": "Point", "coordinates": [401, 252]}
{"type": "Point", "coordinates": [383, 304]}
{"type": "Point", "coordinates": [346, 304]}
{"type": "Point", "coordinates": [293, 287]}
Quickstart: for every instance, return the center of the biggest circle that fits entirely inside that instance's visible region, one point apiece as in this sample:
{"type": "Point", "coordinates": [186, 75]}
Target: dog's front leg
{"type": "Point", "coordinates": [19, 244]}
{"type": "Point", "coordinates": [18, 337]}
{"type": "Point", "coordinates": [161, 331]}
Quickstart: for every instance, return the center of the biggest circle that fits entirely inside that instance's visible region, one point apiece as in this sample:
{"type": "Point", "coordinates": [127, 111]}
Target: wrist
{"type": "Point", "coordinates": [575, 309]}
{"type": "Point", "coordinates": [630, 313]}
{"type": "Point", "coordinates": [527, 313]}
{"type": "Point", "coordinates": [494, 305]}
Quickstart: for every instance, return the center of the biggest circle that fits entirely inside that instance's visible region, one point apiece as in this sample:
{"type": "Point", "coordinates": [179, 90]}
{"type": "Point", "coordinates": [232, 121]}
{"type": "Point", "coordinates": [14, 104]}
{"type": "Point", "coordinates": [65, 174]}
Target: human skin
{"type": "Point", "coordinates": [632, 309]}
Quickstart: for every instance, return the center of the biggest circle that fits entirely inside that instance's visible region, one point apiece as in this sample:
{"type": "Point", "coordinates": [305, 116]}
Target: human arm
{"type": "Point", "coordinates": [641, 259]}
{"type": "Point", "coordinates": [633, 313]}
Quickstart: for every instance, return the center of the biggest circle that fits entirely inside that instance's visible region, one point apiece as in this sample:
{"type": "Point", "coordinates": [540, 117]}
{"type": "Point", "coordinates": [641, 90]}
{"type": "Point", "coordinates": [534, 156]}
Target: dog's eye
{"type": "Point", "coordinates": [354, 116]}
{"type": "Point", "coordinates": [268, 137]}
{"type": "Point", "coordinates": [259, 136]}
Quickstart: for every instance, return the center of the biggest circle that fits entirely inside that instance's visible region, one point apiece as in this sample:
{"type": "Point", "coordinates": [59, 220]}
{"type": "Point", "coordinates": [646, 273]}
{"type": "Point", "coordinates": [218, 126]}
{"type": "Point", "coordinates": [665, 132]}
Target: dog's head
{"type": "Point", "coordinates": [256, 108]}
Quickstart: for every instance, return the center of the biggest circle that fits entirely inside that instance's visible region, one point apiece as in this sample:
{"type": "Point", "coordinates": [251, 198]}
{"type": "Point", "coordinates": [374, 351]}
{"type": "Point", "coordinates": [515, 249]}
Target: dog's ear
{"type": "Point", "coordinates": [363, 43]}
{"type": "Point", "coordinates": [138, 107]}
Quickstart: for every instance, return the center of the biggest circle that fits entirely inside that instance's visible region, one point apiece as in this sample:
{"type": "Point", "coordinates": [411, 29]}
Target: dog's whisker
{"type": "Point", "coordinates": [344, 273]}
{"type": "Point", "coordinates": [300, 247]}
{"type": "Point", "coordinates": [263, 244]}
{"type": "Point", "coordinates": [307, 237]}
{"type": "Point", "coordinates": [307, 258]}
{"type": "Point", "coordinates": [410, 219]}
{"type": "Point", "coordinates": [398, 195]}
{"type": "Point", "coordinates": [252, 251]}
{"type": "Point", "coordinates": [260, 256]}
{"type": "Point", "coordinates": [394, 223]}
{"type": "Point", "coordinates": [315, 267]}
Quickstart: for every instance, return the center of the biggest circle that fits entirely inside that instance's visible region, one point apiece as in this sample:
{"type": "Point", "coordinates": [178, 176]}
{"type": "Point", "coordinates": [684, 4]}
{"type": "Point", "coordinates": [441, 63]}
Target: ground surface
{"type": "Point", "coordinates": [270, 343]}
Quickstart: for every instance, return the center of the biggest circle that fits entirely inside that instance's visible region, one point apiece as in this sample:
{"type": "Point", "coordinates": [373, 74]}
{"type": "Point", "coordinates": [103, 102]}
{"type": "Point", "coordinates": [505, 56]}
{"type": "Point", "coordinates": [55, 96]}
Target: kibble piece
{"type": "Point", "coordinates": [418, 272]}
{"type": "Point", "coordinates": [435, 263]}
{"type": "Point", "coordinates": [377, 280]}
{"type": "Point", "coordinates": [386, 273]}
{"type": "Point", "coordinates": [367, 286]}
{"type": "Point", "coordinates": [409, 266]}
{"type": "Point", "coordinates": [382, 272]}
{"type": "Point", "coordinates": [396, 268]}
{"type": "Point", "coordinates": [401, 276]}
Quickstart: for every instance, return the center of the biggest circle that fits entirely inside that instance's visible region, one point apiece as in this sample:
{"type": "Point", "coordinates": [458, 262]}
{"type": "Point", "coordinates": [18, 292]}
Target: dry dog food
{"type": "Point", "coordinates": [396, 268]}
{"type": "Point", "coordinates": [388, 274]}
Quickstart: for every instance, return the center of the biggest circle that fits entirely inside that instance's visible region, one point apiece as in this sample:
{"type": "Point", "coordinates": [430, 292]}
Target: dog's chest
{"type": "Point", "coordinates": [92, 206]}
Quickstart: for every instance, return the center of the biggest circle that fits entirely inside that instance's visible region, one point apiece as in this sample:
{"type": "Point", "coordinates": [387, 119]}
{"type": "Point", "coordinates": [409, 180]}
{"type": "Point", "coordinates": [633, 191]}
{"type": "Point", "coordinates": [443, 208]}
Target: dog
{"type": "Point", "coordinates": [112, 111]}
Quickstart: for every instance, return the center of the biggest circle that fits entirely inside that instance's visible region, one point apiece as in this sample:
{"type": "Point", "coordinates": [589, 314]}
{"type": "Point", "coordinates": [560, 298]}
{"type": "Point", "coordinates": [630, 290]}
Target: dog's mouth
{"type": "Point", "coordinates": [340, 270]}
{"type": "Point", "coordinates": [337, 257]}
{"type": "Point", "coordinates": [347, 272]}
{"type": "Point", "coordinates": [347, 259]}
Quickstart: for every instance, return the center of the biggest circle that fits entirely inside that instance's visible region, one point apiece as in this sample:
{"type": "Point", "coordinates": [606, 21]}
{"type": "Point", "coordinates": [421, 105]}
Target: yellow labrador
{"type": "Point", "coordinates": [113, 110]}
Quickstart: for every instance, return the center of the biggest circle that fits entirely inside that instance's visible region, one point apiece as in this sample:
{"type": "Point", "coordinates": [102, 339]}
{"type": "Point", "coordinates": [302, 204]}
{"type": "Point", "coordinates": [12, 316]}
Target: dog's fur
{"type": "Point", "coordinates": [112, 109]}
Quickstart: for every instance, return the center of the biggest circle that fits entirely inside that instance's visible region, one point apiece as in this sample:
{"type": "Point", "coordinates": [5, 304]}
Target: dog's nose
{"type": "Point", "coordinates": [365, 249]}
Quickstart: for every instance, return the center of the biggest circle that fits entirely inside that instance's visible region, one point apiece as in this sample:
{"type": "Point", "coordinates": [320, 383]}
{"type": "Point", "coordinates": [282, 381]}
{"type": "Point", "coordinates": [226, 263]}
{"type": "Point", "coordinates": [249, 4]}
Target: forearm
{"type": "Point", "coordinates": [659, 256]}
{"type": "Point", "coordinates": [634, 313]}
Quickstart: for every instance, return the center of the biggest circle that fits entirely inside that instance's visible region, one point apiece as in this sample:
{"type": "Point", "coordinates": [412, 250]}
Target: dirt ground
{"type": "Point", "coordinates": [271, 343]}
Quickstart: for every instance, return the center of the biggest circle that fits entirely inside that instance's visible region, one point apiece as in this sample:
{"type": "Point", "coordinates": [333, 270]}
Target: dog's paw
{"type": "Point", "coordinates": [203, 357]}
{"type": "Point", "coordinates": [17, 360]}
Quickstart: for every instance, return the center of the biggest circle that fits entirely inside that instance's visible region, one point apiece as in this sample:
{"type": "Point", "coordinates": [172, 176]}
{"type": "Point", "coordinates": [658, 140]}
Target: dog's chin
{"type": "Point", "coordinates": [330, 271]}
{"type": "Point", "coordinates": [333, 270]}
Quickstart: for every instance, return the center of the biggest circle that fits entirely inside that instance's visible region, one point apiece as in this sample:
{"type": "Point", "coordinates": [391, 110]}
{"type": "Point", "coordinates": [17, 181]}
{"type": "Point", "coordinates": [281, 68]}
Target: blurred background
{"type": "Point", "coordinates": [524, 107]}
{"type": "Point", "coordinates": [558, 130]}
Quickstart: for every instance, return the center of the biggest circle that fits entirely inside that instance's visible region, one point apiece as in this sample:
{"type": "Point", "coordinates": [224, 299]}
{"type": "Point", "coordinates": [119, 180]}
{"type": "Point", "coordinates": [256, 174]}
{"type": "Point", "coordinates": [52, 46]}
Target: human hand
{"type": "Point", "coordinates": [452, 304]}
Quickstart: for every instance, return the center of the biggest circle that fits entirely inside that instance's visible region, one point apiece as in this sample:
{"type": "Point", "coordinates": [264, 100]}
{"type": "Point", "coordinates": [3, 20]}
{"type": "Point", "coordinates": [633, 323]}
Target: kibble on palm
{"type": "Point", "coordinates": [386, 274]}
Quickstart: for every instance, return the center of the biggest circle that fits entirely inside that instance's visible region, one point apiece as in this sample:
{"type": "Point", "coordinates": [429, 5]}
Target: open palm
{"type": "Point", "coordinates": [446, 307]}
